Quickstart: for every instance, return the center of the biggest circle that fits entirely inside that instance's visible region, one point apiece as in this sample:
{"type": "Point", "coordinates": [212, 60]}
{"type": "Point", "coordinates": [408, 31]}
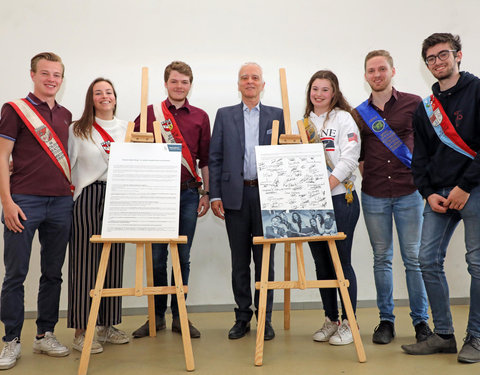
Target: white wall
{"type": "Point", "coordinates": [115, 38]}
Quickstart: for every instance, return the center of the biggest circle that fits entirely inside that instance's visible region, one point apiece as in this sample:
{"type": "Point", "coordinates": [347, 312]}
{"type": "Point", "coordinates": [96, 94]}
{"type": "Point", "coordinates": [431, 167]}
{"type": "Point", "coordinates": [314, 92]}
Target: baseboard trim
{"type": "Point", "coordinates": [276, 306]}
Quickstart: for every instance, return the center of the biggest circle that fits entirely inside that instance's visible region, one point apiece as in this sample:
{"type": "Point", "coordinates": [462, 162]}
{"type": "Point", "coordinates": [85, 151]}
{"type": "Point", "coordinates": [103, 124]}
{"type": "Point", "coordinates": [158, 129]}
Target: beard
{"type": "Point", "coordinates": [444, 74]}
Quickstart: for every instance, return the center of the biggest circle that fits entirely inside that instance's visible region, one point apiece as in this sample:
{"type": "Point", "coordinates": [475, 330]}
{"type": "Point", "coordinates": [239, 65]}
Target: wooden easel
{"type": "Point", "coordinates": [142, 245]}
{"type": "Point", "coordinates": [264, 285]}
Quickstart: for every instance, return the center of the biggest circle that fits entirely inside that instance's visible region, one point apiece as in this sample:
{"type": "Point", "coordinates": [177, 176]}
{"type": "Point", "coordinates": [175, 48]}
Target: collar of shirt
{"type": "Point", "coordinates": [186, 106]}
{"type": "Point", "coordinates": [36, 101]}
{"type": "Point", "coordinates": [394, 96]}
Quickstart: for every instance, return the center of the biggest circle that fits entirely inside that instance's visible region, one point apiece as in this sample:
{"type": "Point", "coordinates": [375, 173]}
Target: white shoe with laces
{"type": "Point", "coordinates": [79, 341]}
{"type": "Point", "coordinates": [112, 335]}
{"type": "Point", "coordinates": [10, 354]}
{"type": "Point", "coordinates": [50, 345]}
{"type": "Point", "coordinates": [343, 336]}
{"type": "Point", "coordinates": [328, 330]}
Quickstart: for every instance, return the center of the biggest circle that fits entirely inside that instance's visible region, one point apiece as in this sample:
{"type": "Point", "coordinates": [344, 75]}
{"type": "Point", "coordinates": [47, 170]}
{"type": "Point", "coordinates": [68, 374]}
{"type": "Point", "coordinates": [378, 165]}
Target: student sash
{"type": "Point", "coordinates": [171, 133]}
{"type": "Point", "coordinates": [384, 133]}
{"type": "Point", "coordinates": [107, 139]}
{"type": "Point", "coordinates": [44, 134]}
{"type": "Point", "coordinates": [443, 127]}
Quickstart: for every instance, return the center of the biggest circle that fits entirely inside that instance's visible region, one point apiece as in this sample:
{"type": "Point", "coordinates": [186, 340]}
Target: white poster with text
{"type": "Point", "coordinates": [143, 191]}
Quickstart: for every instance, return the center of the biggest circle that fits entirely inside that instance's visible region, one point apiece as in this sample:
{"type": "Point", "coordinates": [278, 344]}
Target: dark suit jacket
{"type": "Point", "coordinates": [227, 149]}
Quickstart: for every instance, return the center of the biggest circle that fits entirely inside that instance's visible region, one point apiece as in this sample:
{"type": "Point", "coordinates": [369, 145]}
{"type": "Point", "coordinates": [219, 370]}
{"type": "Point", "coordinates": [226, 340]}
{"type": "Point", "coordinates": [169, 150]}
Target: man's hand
{"type": "Point", "coordinates": [11, 213]}
{"type": "Point", "coordinates": [203, 205]}
{"type": "Point", "coordinates": [217, 208]}
{"type": "Point", "coordinates": [437, 203]}
{"type": "Point", "coordinates": [457, 199]}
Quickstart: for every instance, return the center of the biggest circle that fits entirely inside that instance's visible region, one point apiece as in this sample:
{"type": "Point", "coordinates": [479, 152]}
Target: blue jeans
{"type": "Point", "coordinates": [188, 221]}
{"type": "Point", "coordinates": [52, 216]}
{"type": "Point", "coordinates": [407, 212]}
{"type": "Point", "coordinates": [436, 233]}
{"type": "Point", "coordinates": [346, 217]}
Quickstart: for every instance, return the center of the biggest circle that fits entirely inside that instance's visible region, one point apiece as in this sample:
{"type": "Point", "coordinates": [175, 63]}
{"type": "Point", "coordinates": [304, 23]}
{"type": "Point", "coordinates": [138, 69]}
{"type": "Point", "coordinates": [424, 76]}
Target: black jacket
{"type": "Point", "coordinates": [436, 165]}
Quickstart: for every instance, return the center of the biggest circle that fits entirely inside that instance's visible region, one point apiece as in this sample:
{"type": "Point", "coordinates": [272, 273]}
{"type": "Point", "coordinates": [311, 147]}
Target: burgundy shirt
{"type": "Point", "coordinates": [34, 173]}
{"type": "Point", "coordinates": [194, 125]}
{"type": "Point", "coordinates": [384, 175]}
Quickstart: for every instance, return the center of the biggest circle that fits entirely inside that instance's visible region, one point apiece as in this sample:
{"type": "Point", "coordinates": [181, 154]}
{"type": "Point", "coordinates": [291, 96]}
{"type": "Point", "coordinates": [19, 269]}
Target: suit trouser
{"type": "Point", "coordinates": [242, 225]}
{"type": "Point", "coordinates": [52, 216]}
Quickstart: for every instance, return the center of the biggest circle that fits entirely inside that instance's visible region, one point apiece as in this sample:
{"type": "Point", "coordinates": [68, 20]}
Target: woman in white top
{"type": "Point", "coordinates": [89, 148]}
{"type": "Point", "coordinates": [330, 122]}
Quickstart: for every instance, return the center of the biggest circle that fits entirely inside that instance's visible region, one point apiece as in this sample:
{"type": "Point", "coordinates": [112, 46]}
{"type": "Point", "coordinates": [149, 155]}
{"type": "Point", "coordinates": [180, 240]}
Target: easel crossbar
{"type": "Point", "coordinates": [147, 291]}
{"type": "Point", "coordinates": [308, 284]}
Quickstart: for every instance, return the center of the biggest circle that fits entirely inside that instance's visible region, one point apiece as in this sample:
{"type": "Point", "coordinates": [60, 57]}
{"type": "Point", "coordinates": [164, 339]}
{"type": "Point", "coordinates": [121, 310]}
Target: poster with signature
{"type": "Point", "coordinates": [294, 191]}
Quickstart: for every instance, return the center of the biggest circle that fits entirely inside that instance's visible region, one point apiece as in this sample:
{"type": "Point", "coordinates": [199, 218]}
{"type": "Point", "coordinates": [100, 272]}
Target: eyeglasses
{"type": "Point", "coordinates": [442, 56]}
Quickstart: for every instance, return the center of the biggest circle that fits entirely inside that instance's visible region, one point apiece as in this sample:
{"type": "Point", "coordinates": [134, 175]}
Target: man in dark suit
{"type": "Point", "coordinates": [234, 188]}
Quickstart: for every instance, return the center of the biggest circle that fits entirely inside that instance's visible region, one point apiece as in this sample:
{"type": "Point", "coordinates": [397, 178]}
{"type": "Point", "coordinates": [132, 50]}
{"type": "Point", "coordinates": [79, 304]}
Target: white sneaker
{"type": "Point", "coordinates": [49, 345]}
{"type": "Point", "coordinates": [328, 329]}
{"type": "Point", "coordinates": [112, 335]}
{"type": "Point", "coordinates": [10, 354]}
{"type": "Point", "coordinates": [343, 336]}
{"type": "Point", "coordinates": [80, 340]}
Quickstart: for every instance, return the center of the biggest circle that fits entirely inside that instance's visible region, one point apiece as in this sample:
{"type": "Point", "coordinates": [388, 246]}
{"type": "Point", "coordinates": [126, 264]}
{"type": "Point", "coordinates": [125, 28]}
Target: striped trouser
{"type": "Point", "coordinates": [84, 259]}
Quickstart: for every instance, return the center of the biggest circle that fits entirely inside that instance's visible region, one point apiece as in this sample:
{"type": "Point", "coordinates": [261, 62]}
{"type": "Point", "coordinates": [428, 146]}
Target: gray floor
{"type": "Point", "coordinates": [291, 352]}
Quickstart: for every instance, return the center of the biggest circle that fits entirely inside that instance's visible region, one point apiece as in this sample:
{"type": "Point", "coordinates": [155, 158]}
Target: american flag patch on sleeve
{"type": "Point", "coordinates": [352, 137]}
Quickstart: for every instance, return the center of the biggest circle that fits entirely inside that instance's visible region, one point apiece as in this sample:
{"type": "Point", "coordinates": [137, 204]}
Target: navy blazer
{"type": "Point", "coordinates": [227, 150]}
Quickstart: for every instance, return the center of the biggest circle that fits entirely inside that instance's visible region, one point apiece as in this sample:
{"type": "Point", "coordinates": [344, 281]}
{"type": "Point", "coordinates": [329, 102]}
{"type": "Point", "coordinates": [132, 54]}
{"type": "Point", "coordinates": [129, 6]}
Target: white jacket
{"type": "Point", "coordinates": [341, 140]}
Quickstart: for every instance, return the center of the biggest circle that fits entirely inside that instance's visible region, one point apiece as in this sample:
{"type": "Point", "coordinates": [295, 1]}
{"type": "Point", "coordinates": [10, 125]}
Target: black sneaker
{"type": "Point", "coordinates": [384, 332]}
{"type": "Point", "coordinates": [422, 331]}
{"type": "Point", "coordinates": [470, 352]}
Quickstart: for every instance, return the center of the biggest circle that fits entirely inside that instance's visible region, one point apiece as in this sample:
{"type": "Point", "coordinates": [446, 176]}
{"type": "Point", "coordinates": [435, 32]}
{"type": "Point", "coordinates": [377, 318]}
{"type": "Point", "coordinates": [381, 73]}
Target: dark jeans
{"type": "Point", "coordinates": [242, 225]}
{"type": "Point", "coordinates": [346, 217]}
{"type": "Point", "coordinates": [188, 220]}
{"type": "Point", "coordinates": [52, 216]}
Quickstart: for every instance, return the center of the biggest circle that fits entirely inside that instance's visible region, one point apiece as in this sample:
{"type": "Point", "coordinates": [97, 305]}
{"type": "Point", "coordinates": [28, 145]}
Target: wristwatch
{"type": "Point", "coordinates": [203, 192]}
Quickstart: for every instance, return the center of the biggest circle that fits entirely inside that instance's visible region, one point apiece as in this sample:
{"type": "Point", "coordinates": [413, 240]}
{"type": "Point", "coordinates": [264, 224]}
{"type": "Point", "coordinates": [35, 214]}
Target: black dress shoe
{"type": "Point", "coordinates": [239, 329]}
{"type": "Point", "coordinates": [269, 332]}
{"type": "Point", "coordinates": [176, 327]}
{"type": "Point", "coordinates": [144, 329]}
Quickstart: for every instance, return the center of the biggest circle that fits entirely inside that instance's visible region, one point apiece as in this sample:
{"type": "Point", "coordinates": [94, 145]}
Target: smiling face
{"type": "Point", "coordinates": [47, 79]}
{"type": "Point", "coordinates": [379, 73]}
{"type": "Point", "coordinates": [321, 95]}
{"type": "Point", "coordinates": [178, 86]}
{"type": "Point", "coordinates": [104, 100]}
{"type": "Point", "coordinates": [250, 82]}
{"type": "Point", "coordinates": [445, 69]}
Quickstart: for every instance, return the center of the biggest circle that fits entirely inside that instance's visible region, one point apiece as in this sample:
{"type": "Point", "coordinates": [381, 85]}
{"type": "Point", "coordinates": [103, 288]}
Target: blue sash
{"type": "Point", "coordinates": [384, 133]}
{"type": "Point", "coordinates": [444, 128]}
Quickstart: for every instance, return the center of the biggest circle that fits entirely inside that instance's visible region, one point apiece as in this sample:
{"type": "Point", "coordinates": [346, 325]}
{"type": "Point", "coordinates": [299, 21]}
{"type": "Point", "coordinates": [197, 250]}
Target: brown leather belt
{"type": "Point", "coordinates": [192, 184]}
{"type": "Point", "coordinates": [250, 183]}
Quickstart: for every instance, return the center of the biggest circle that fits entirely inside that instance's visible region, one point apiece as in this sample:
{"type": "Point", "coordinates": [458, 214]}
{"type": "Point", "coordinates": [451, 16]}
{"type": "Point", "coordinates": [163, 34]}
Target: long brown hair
{"type": "Point", "coordinates": [83, 126]}
{"type": "Point", "coordinates": [338, 100]}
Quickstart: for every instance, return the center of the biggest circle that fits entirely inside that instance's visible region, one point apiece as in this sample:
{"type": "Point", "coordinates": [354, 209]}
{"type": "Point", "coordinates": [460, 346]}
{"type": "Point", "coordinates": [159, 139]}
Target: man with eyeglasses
{"type": "Point", "coordinates": [446, 170]}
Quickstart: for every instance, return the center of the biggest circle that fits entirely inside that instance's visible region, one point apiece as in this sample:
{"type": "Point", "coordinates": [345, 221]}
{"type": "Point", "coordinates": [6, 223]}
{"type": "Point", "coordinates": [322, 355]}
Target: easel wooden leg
{"type": "Point", "coordinates": [182, 308]}
{"type": "Point", "coordinates": [151, 298]}
{"type": "Point", "coordinates": [346, 301]}
{"type": "Point", "coordinates": [262, 305]}
{"type": "Point", "coordinates": [300, 265]}
{"type": "Point", "coordinates": [286, 292]}
{"type": "Point", "coordinates": [92, 318]}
